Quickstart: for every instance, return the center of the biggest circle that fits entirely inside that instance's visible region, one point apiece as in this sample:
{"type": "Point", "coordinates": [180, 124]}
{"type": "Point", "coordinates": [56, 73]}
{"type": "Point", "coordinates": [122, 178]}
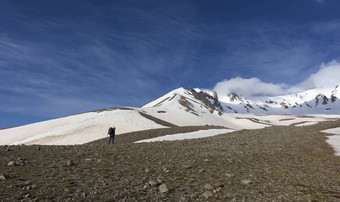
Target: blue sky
{"type": "Point", "coordinates": [64, 57]}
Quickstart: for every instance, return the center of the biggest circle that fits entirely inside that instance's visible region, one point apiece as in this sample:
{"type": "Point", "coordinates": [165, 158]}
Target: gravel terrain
{"type": "Point", "coordinates": [274, 163]}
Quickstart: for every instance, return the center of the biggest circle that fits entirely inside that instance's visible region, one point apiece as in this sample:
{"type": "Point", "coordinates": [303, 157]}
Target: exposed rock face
{"type": "Point", "coordinates": [207, 100]}
{"type": "Point", "coordinates": [283, 104]}
{"type": "Point", "coordinates": [325, 100]}
{"type": "Point", "coordinates": [263, 108]}
{"type": "Point", "coordinates": [188, 105]}
{"type": "Point", "coordinates": [271, 102]}
{"type": "Point", "coordinates": [249, 105]}
{"type": "Point", "coordinates": [215, 95]}
{"type": "Point", "coordinates": [231, 109]}
{"type": "Point", "coordinates": [333, 97]}
{"type": "Point", "coordinates": [234, 97]}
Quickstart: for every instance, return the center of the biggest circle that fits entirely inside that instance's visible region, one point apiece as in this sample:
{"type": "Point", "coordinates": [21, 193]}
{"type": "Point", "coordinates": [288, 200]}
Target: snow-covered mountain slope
{"type": "Point", "coordinates": [182, 107]}
{"type": "Point", "coordinates": [315, 101]}
{"type": "Point", "coordinates": [186, 107]}
{"type": "Point", "coordinates": [78, 129]}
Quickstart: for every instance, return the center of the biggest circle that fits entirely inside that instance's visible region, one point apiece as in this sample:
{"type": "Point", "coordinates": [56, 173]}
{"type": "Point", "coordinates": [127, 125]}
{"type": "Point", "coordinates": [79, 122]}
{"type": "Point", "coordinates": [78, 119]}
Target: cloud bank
{"type": "Point", "coordinates": [328, 76]}
{"type": "Point", "coordinates": [249, 87]}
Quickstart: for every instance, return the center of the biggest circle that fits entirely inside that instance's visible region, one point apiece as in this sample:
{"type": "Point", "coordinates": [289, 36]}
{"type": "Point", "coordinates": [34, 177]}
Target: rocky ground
{"type": "Point", "coordinates": [275, 163]}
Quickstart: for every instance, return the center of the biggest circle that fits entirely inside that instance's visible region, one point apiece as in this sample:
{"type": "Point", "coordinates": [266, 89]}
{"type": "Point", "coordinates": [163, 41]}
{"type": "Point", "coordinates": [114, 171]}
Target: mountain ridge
{"type": "Point", "coordinates": [314, 101]}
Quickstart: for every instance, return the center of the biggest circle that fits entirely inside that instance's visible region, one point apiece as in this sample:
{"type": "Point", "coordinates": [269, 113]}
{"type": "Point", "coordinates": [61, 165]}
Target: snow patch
{"type": "Point", "coordinates": [334, 140]}
{"type": "Point", "coordinates": [190, 135]}
{"type": "Point", "coordinates": [307, 123]}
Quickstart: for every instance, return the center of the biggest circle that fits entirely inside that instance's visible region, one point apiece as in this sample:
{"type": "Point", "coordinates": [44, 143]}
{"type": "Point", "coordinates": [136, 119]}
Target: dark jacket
{"type": "Point", "coordinates": [111, 131]}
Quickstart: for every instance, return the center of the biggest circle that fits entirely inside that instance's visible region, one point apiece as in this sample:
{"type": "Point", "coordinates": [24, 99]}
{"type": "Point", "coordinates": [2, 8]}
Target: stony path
{"type": "Point", "coordinates": [276, 163]}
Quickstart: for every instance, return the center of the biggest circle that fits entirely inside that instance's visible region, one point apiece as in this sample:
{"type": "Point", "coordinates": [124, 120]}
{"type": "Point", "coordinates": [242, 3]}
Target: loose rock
{"type": "Point", "coordinates": [230, 175]}
{"type": "Point", "coordinates": [70, 163]}
{"type": "Point", "coordinates": [12, 163]}
{"type": "Point", "coordinates": [246, 182]}
{"type": "Point", "coordinates": [208, 187]}
{"type": "Point", "coordinates": [217, 185]}
{"type": "Point", "coordinates": [187, 167]}
{"type": "Point", "coordinates": [166, 170]}
{"type": "Point", "coordinates": [159, 181]}
{"type": "Point", "coordinates": [207, 194]}
{"type": "Point", "coordinates": [182, 199]}
{"type": "Point", "coordinates": [201, 170]}
{"type": "Point", "coordinates": [152, 183]}
{"type": "Point", "coordinates": [3, 176]}
{"type": "Point", "coordinates": [163, 188]}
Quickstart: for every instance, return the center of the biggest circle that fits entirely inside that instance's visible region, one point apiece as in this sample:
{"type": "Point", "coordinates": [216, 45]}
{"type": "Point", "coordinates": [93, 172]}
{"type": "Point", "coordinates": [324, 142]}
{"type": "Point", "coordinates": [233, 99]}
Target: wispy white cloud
{"type": "Point", "coordinates": [320, 1]}
{"type": "Point", "coordinates": [326, 28]}
{"type": "Point", "coordinates": [38, 80]}
{"type": "Point", "coordinates": [91, 65]}
{"type": "Point", "coordinates": [276, 52]}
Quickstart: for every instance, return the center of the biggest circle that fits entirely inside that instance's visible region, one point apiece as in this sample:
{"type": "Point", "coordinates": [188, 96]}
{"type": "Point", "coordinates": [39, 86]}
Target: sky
{"type": "Point", "coordinates": [62, 57]}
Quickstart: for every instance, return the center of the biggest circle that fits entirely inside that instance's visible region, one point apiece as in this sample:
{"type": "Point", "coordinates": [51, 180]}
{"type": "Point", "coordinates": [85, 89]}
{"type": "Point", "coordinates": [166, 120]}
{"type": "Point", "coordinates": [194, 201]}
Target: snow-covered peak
{"type": "Point", "coordinates": [166, 97]}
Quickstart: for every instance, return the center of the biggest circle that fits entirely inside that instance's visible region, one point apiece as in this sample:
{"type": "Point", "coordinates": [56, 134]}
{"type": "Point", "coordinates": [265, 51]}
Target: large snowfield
{"type": "Point", "coordinates": [77, 129]}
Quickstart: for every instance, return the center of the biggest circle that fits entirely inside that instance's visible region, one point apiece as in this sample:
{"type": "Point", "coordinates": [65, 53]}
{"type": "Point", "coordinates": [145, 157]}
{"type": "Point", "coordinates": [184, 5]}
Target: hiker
{"type": "Point", "coordinates": [111, 133]}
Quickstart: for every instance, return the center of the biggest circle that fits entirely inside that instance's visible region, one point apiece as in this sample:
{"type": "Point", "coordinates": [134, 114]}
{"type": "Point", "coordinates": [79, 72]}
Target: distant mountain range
{"type": "Point", "coordinates": [315, 101]}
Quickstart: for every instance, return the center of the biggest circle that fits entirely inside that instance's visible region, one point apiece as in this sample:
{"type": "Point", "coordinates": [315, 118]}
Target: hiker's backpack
{"type": "Point", "coordinates": [110, 130]}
